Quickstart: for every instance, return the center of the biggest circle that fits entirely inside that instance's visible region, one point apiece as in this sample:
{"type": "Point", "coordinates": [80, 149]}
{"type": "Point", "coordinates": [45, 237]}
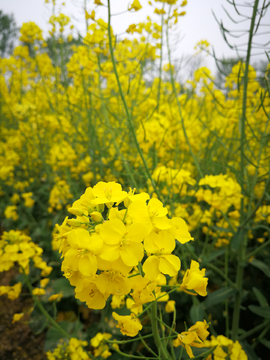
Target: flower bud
{"type": "Point", "coordinates": [74, 222]}
{"type": "Point", "coordinates": [76, 211]}
{"type": "Point", "coordinates": [96, 216]}
{"type": "Point", "coordinates": [90, 209]}
{"type": "Point", "coordinates": [100, 207]}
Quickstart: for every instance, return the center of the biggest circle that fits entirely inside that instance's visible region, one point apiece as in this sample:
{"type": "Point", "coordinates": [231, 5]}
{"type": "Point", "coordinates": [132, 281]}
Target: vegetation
{"type": "Point", "coordinates": [135, 208]}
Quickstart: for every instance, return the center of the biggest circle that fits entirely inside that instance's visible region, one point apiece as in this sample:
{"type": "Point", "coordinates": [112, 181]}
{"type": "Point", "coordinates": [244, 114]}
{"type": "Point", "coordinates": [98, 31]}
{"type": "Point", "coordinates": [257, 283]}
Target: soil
{"type": "Point", "coordinates": [17, 341]}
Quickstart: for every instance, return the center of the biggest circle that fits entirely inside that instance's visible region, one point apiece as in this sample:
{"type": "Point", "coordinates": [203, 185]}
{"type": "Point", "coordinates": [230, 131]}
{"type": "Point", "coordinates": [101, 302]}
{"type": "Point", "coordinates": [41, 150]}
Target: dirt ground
{"type": "Point", "coordinates": [17, 341]}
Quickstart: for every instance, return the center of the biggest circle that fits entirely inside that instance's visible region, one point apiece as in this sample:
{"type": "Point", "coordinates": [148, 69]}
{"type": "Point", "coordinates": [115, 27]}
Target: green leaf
{"type": "Point", "coordinates": [261, 311]}
{"type": "Point", "coordinates": [262, 266]}
{"type": "Point", "coordinates": [251, 355]}
{"type": "Point", "coordinates": [37, 322]}
{"type": "Point", "coordinates": [236, 240]}
{"type": "Point", "coordinates": [261, 299]}
{"type": "Point", "coordinates": [217, 297]}
{"type": "Point", "coordinates": [212, 256]}
{"type": "Point", "coordinates": [62, 285]}
{"type": "Point", "coordinates": [196, 313]}
{"type": "Point", "coordinates": [53, 335]}
{"type": "Point", "coordinates": [265, 343]}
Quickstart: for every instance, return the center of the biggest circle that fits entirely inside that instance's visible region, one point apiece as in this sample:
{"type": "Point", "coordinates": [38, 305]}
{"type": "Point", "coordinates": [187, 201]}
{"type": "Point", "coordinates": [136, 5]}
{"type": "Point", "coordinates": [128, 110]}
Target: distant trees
{"type": "Point", "coordinates": [8, 34]}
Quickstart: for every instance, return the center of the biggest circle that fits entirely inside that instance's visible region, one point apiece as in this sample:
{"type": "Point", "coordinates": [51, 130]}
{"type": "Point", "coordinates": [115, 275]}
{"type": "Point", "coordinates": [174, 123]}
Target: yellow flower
{"type": "Point", "coordinates": [73, 350]}
{"type": "Point", "coordinates": [55, 297]}
{"type": "Point", "coordinates": [101, 349]}
{"type": "Point", "coordinates": [160, 244]}
{"type": "Point", "coordinates": [113, 282]}
{"type": "Point", "coordinates": [170, 306]}
{"type": "Point", "coordinates": [44, 282]}
{"type": "Point", "coordinates": [10, 212]}
{"type": "Point", "coordinates": [89, 293]}
{"type": "Point", "coordinates": [14, 291]}
{"type": "Point", "coordinates": [30, 32]}
{"type": "Point", "coordinates": [122, 241]}
{"type": "Point", "coordinates": [160, 11]}
{"type": "Point", "coordinates": [194, 280]}
{"type": "Point", "coordinates": [180, 230]}
{"type": "Point", "coordinates": [118, 301]}
{"type": "Point", "coordinates": [128, 325]}
{"type": "Point", "coordinates": [165, 264]}
{"type": "Point", "coordinates": [195, 336]}
{"type": "Point", "coordinates": [15, 198]}
{"type": "Point", "coordinates": [131, 29]}
{"type": "Point", "coordinates": [226, 347]}
{"type": "Point", "coordinates": [108, 193]}
{"type": "Point", "coordinates": [28, 201]}
{"type": "Point", "coordinates": [96, 340]}
{"type": "Point", "coordinates": [130, 304]}
{"type": "Point", "coordinates": [152, 215]}
{"type": "Point", "coordinates": [38, 291]}
{"type": "Point", "coordinates": [17, 317]}
{"type": "Point", "coordinates": [81, 255]}
{"type": "Point", "coordinates": [90, 16]}
{"type": "Point", "coordinates": [135, 5]}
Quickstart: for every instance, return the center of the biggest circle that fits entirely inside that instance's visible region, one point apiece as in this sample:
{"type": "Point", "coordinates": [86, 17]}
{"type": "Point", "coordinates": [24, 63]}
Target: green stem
{"type": "Point", "coordinates": [242, 247]}
{"type": "Point", "coordinates": [124, 162]}
{"type": "Point", "coordinates": [254, 330]}
{"type": "Point", "coordinates": [226, 283]}
{"type": "Point", "coordinates": [213, 267]}
{"type": "Point", "coordinates": [43, 310]}
{"type": "Point", "coordinates": [159, 344]}
{"type": "Point", "coordinates": [251, 216]}
{"type": "Point", "coordinates": [178, 104]}
{"type": "Point", "coordinates": [258, 249]}
{"type": "Point", "coordinates": [261, 336]}
{"type": "Point", "coordinates": [160, 63]}
{"type": "Point", "coordinates": [129, 120]}
{"type": "Point", "coordinates": [133, 356]}
{"type": "Point", "coordinates": [122, 342]}
{"type": "Point", "coordinates": [146, 346]}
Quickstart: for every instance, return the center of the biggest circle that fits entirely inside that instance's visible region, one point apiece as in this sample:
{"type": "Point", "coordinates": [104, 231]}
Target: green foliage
{"type": "Point", "coordinates": [8, 34]}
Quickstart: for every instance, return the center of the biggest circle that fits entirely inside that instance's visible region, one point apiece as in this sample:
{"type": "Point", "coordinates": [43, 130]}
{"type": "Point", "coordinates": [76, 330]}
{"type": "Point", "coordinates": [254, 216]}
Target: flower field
{"type": "Point", "coordinates": [135, 208]}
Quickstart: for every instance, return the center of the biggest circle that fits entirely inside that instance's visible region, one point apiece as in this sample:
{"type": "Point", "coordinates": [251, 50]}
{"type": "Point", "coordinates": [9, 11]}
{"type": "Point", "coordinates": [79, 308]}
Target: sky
{"type": "Point", "coordinates": [198, 24]}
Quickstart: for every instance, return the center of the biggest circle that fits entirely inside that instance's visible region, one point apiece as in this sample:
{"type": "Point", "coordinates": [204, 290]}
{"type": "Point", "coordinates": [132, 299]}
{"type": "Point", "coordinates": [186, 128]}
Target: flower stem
{"type": "Point", "coordinates": [164, 355]}
{"type": "Point", "coordinates": [43, 310]}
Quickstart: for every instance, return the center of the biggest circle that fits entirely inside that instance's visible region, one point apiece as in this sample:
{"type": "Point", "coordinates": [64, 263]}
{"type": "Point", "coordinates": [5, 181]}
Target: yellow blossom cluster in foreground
{"type": "Point", "coordinates": [121, 243]}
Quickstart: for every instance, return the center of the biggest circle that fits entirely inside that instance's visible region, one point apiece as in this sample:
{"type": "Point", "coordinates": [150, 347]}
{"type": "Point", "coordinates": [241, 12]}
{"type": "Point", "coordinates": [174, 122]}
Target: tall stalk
{"type": "Point", "coordinates": [242, 234]}
{"type": "Point", "coordinates": [129, 119]}
{"type": "Point", "coordinates": [178, 104]}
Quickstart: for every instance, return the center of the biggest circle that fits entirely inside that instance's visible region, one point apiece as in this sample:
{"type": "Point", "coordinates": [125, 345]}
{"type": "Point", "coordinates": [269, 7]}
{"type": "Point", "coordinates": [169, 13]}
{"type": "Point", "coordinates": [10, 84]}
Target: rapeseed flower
{"type": "Point", "coordinates": [194, 337]}
{"type": "Point", "coordinates": [129, 325]}
{"type": "Point", "coordinates": [194, 280]}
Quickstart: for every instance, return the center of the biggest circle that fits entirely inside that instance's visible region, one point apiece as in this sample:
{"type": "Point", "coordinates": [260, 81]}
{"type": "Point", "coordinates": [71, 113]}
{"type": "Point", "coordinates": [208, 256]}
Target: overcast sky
{"type": "Point", "coordinates": [198, 24]}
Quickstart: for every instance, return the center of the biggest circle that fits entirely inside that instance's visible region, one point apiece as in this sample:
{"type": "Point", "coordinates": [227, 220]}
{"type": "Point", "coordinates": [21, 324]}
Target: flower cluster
{"type": "Point", "coordinates": [98, 342]}
{"type": "Point", "coordinates": [13, 292]}
{"type": "Point", "coordinates": [121, 243]}
{"type": "Point", "coordinates": [16, 247]}
{"type": "Point", "coordinates": [72, 350]}
{"type": "Point", "coordinates": [30, 32]}
{"type": "Point", "coordinates": [225, 348]}
{"type": "Point", "coordinates": [195, 336]}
